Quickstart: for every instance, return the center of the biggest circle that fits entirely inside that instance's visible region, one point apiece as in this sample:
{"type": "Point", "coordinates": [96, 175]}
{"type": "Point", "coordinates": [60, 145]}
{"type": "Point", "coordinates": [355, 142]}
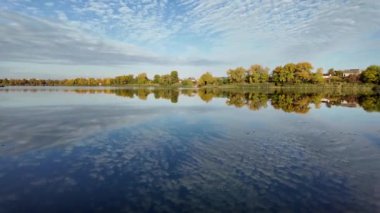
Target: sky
{"type": "Point", "coordinates": [106, 38]}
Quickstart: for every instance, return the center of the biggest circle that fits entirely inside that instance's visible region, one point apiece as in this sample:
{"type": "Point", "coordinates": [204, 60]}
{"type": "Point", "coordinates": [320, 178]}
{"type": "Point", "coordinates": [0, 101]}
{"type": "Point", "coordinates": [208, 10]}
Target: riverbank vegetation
{"type": "Point", "coordinates": [300, 75]}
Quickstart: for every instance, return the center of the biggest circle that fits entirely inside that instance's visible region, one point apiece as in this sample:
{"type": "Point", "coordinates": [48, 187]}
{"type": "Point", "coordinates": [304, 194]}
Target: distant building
{"type": "Point", "coordinates": [344, 73]}
{"type": "Point", "coordinates": [326, 76]}
{"type": "Point", "coordinates": [193, 79]}
{"type": "Point", "coordinates": [349, 72]}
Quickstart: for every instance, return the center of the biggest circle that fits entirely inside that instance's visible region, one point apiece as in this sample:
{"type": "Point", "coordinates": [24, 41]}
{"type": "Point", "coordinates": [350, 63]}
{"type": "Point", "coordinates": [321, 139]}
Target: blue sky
{"type": "Point", "coordinates": [105, 38]}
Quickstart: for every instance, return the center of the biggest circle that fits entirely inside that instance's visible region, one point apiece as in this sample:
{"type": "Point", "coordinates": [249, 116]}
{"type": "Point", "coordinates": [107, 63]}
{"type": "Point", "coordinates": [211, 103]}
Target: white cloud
{"type": "Point", "coordinates": [44, 42]}
{"type": "Point", "coordinates": [190, 32]}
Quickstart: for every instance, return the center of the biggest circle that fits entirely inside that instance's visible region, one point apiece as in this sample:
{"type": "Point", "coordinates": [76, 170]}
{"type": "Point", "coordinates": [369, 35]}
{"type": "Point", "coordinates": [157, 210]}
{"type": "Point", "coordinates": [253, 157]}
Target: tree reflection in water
{"type": "Point", "coordinates": [256, 100]}
{"type": "Point", "coordinates": [291, 102]}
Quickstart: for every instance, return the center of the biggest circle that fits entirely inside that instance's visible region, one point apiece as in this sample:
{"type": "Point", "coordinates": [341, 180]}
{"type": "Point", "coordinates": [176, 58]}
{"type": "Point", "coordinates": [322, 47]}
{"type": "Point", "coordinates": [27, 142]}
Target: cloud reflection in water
{"type": "Point", "coordinates": [183, 158]}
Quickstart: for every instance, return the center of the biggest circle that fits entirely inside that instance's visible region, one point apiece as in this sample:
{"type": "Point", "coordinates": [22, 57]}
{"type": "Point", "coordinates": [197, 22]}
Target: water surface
{"type": "Point", "coordinates": [154, 150]}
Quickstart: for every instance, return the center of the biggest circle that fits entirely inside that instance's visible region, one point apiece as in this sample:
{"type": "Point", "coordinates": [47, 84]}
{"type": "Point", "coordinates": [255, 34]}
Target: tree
{"type": "Point", "coordinates": [124, 79]}
{"type": "Point", "coordinates": [292, 73]}
{"type": "Point", "coordinates": [142, 78]}
{"type": "Point", "coordinates": [156, 79]}
{"type": "Point", "coordinates": [174, 77]}
{"type": "Point", "coordinates": [303, 72]}
{"type": "Point", "coordinates": [317, 77]}
{"type": "Point", "coordinates": [371, 75]}
{"type": "Point", "coordinates": [206, 79]}
{"type": "Point", "coordinates": [353, 78]}
{"type": "Point", "coordinates": [221, 80]}
{"type": "Point", "coordinates": [289, 72]}
{"type": "Point", "coordinates": [339, 74]}
{"type": "Point", "coordinates": [236, 75]}
{"type": "Point", "coordinates": [331, 72]}
{"type": "Point", "coordinates": [188, 82]}
{"type": "Point", "coordinates": [256, 73]}
{"type": "Point", "coordinates": [107, 82]}
{"type": "Point", "coordinates": [279, 75]}
{"type": "Point", "coordinates": [253, 75]}
{"type": "Point", "coordinates": [165, 80]}
{"type": "Point", "coordinates": [93, 82]}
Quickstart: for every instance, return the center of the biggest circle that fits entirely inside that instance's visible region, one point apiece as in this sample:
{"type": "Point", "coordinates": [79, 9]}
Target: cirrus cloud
{"type": "Point", "coordinates": [192, 34]}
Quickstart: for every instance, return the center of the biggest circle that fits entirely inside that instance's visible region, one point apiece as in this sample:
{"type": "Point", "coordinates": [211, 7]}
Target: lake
{"type": "Point", "coordinates": [67, 149]}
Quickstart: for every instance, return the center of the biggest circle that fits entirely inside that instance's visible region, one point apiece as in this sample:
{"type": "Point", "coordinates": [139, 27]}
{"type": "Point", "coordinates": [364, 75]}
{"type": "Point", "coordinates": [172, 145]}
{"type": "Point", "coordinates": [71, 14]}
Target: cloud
{"type": "Point", "coordinates": [150, 21]}
{"type": "Point", "coordinates": [275, 32]}
{"type": "Point", "coordinates": [215, 33]}
{"type": "Point", "coordinates": [34, 40]}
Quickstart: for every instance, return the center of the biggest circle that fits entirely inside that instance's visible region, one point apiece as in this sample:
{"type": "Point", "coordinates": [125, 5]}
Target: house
{"type": "Point", "coordinates": [193, 79]}
{"type": "Point", "coordinates": [349, 72]}
{"type": "Point", "coordinates": [342, 73]}
{"type": "Point", "coordinates": [326, 76]}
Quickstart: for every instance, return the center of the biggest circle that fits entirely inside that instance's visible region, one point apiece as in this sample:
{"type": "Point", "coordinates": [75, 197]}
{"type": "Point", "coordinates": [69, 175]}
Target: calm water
{"type": "Point", "coordinates": [113, 150]}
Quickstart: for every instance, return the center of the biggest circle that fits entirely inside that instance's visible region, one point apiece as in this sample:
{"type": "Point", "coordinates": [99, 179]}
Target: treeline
{"type": "Point", "coordinates": [290, 73]}
{"type": "Point", "coordinates": [140, 79]}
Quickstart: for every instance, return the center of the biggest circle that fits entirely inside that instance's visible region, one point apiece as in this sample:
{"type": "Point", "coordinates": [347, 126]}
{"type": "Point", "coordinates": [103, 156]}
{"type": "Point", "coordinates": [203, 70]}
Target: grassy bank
{"type": "Point", "coordinates": [339, 88]}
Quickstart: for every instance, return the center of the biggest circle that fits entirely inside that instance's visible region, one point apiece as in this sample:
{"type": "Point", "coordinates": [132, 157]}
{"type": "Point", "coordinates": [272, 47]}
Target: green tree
{"type": "Point", "coordinates": [339, 74]}
{"type": "Point", "coordinates": [124, 79]}
{"type": "Point", "coordinates": [303, 72]}
{"type": "Point", "coordinates": [353, 78]}
{"type": "Point", "coordinates": [142, 78]}
{"type": "Point", "coordinates": [156, 79]}
{"type": "Point", "coordinates": [221, 80]}
{"type": "Point", "coordinates": [256, 73]}
{"type": "Point", "coordinates": [371, 75]}
{"type": "Point", "coordinates": [237, 75]}
{"type": "Point", "coordinates": [279, 75]}
{"type": "Point", "coordinates": [206, 79]}
{"type": "Point", "coordinates": [188, 82]}
{"type": "Point", "coordinates": [174, 77]}
{"type": "Point", "coordinates": [317, 77]}
{"type": "Point", "coordinates": [289, 72]}
{"type": "Point", "coordinates": [331, 72]}
{"type": "Point", "coordinates": [165, 80]}
{"type": "Point", "coordinates": [107, 82]}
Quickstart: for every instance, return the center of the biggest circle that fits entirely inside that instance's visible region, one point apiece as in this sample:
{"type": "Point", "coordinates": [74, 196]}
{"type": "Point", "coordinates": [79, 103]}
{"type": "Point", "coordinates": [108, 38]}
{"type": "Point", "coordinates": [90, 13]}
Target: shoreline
{"type": "Point", "coordinates": [339, 88]}
{"type": "Point", "coordinates": [224, 86]}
